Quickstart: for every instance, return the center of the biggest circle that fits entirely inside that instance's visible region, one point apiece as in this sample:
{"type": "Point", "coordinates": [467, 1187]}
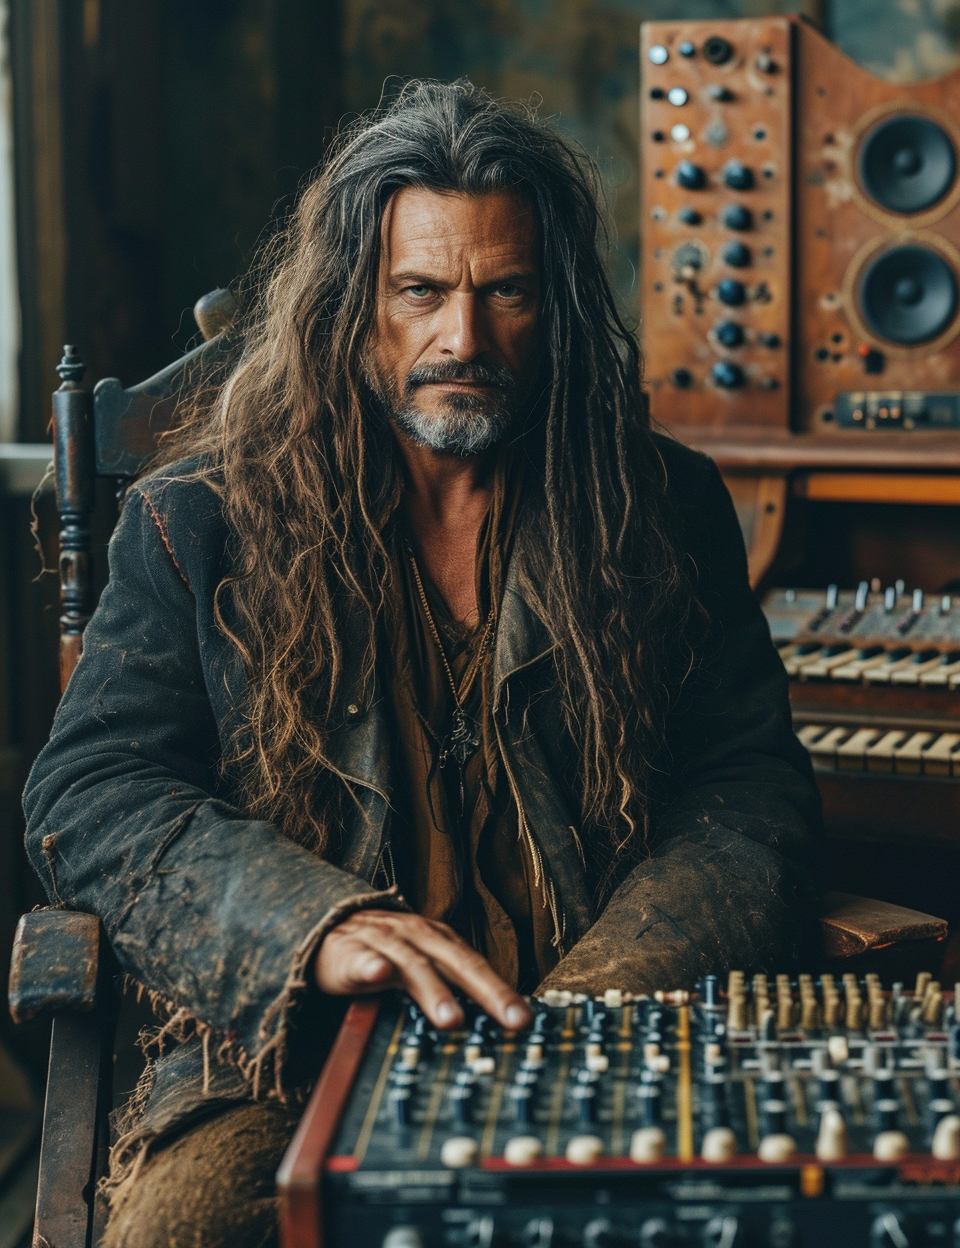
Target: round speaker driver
{"type": "Point", "coordinates": [907, 163]}
{"type": "Point", "coordinates": [908, 295]}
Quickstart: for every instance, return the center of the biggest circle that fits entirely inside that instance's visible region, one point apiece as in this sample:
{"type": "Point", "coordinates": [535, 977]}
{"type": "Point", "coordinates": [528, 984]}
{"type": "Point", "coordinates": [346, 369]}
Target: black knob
{"type": "Point", "coordinates": [690, 176]}
{"type": "Point", "coordinates": [522, 1097]}
{"type": "Point", "coordinates": [736, 217]}
{"type": "Point", "coordinates": [585, 1098]}
{"type": "Point", "coordinates": [656, 1233]}
{"type": "Point", "coordinates": [769, 340]}
{"type": "Point", "coordinates": [682, 378]}
{"type": "Point", "coordinates": [737, 255]}
{"type": "Point", "coordinates": [689, 216]}
{"type": "Point", "coordinates": [722, 1232]}
{"type": "Point", "coordinates": [731, 292]}
{"type": "Point", "coordinates": [648, 1095]}
{"type": "Point", "coordinates": [718, 50]}
{"type": "Point", "coordinates": [730, 333]}
{"type": "Point", "coordinates": [783, 1233]}
{"type": "Point", "coordinates": [729, 376]}
{"type": "Point", "coordinates": [889, 1230]}
{"type": "Point", "coordinates": [737, 175]}
{"type": "Point", "coordinates": [400, 1099]}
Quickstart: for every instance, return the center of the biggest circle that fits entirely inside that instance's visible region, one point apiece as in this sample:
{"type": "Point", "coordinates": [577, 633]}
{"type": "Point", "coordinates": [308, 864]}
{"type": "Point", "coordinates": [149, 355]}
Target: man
{"type": "Point", "coordinates": [423, 664]}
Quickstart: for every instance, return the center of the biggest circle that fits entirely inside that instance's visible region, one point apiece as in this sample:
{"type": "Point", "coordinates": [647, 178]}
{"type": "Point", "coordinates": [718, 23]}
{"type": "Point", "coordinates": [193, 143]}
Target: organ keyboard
{"type": "Point", "coordinates": [871, 673]}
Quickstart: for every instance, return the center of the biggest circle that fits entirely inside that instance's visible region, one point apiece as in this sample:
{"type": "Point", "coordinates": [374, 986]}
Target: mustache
{"type": "Point", "coordinates": [478, 374]}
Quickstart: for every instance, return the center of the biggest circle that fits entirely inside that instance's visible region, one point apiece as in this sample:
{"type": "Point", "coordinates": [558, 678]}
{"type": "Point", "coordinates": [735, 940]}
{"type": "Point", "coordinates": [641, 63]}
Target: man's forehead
{"type": "Point", "coordinates": [426, 224]}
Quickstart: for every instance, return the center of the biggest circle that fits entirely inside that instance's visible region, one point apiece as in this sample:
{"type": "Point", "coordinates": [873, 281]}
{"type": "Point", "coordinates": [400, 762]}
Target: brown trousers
{"type": "Point", "coordinates": [210, 1186]}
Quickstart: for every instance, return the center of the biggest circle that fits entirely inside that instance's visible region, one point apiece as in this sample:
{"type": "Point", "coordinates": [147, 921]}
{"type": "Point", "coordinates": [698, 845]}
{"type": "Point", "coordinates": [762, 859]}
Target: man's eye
{"type": "Point", "coordinates": [508, 291]}
{"type": "Point", "coordinates": [419, 292]}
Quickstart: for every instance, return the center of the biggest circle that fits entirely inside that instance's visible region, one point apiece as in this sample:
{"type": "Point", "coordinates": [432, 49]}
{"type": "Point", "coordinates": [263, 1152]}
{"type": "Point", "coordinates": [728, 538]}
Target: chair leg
{"type": "Point", "coordinates": [74, 1130]}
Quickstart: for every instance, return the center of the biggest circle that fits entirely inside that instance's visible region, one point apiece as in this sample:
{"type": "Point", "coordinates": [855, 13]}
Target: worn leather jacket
{"type": "Point", "coordinates": [219, 916]}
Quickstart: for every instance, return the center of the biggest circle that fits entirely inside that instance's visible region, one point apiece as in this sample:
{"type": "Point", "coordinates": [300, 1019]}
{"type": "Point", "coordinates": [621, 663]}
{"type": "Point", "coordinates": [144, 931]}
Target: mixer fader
{"type": "Point", "coordinates": [785, 1112]}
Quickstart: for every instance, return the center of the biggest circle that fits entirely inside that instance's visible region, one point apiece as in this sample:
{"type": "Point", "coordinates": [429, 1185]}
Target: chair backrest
{"type": "Point", "coordinates": [114, 433]}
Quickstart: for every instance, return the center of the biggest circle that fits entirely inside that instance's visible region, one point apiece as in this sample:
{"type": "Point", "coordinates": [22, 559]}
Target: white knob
{"type": "Point", "coordinates": [832, 1136]}
{"type": "Point", "coordinates": [946, 1139]}
{"type": "Point", "coordinates": [403, 1237]}
{"type": "Point", "coordinates": [838, 1049]}
{"type": "Point", "coordinates": [458, 1151]}
{"type": "Point", "coordinates": [483, 1065]}
{"type": "Point", "coordinates": [598, 1062]}
{"type": "Point", "coordinates": [890, 1146]}
{"type": "Point", "coordinates": [522, 1150]}
{"type": "Point", "coordinates": [776, 1148]}
{"type": "Point", "coordinates": [584, 1150]}
{"type": "Point", "coordinates": [613, 998]}
{"type": "Point", "coordinates": [647, 1144]}
{"type": "Point", "coordinates": [719, 1144]}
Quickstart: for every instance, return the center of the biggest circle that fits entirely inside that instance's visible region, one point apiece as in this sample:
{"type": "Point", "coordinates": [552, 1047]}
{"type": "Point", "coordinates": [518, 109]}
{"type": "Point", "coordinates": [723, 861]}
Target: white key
{"type": "Point", "coordinates": [824, 751]}
{"type": "Point", "coordinates": [857, 669]}
{"type": "Point", "coordinates": [940, 757]}
{"type": "Point", "coordinates": [907, 758]}
{"type": "Point", "coordinates": [883, 673]}
{"type": "Point", "coordinates": [852, 754]}
{"type": "Point", "coordinates": [911, 674]}
{"type": "Point", "coordinates": [793, 662]}
{"type": "Point", "coordinates": [822, 666]}
{"type": "Point", "coordinates": [880, 755]}
{"type": "Point", "coordinates": [809, 733]}
{"type": "Point", "coordinates": [940, 675]}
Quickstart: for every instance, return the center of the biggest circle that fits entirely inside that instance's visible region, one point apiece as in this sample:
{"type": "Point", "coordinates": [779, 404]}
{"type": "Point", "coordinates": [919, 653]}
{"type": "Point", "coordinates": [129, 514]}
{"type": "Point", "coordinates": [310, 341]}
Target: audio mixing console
{"type": "Point", "coordinates": [785, 1113]}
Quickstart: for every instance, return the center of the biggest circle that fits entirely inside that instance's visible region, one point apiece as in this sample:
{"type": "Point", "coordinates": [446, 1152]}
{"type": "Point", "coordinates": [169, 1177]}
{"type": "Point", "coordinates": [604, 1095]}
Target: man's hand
{"type": "Point", "coordinates": [378, 949]}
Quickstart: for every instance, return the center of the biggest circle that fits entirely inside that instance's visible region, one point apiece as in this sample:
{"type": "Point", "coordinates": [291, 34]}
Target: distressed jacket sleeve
{"type": "Point", "coordinates": [216, 914]}
{"type": "Point", "coordinates": [730, 878]}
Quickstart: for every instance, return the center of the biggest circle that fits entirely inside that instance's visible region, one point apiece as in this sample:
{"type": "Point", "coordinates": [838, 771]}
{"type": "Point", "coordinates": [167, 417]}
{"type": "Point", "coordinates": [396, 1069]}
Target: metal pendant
{"type": "Point", "coordinates": [463, 739]}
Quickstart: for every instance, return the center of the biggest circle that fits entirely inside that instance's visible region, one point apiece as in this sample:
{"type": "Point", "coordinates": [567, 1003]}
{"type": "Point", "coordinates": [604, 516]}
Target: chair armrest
{"type": "Point", "coordinates": [850, 925]}
{"type": "Point", "coordinates": [55, 964]}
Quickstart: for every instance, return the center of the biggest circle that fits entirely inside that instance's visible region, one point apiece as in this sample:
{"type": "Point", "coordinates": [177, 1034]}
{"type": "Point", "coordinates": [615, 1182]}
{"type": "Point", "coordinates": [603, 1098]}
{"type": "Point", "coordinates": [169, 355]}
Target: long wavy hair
{"type": "Point", "coordinates": [310, 481]}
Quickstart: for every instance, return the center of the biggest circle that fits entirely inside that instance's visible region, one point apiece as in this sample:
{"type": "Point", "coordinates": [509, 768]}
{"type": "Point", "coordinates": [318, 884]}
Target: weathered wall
{"type": "Point", "coordinates": [580, 58]}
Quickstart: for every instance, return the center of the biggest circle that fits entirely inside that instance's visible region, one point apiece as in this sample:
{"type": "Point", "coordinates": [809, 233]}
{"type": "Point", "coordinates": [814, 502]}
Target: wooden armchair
{"type": "Point", "coordinates": [61, 964]}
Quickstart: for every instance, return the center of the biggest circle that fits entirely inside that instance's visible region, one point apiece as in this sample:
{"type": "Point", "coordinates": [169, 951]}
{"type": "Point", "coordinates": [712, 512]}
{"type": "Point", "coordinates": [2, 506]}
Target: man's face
{"type": "Point", "coordinates": [455, 345]}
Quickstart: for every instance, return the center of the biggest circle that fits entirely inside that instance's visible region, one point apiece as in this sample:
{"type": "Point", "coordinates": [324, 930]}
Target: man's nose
{"type": "Point", "coordinates": [462, 330]}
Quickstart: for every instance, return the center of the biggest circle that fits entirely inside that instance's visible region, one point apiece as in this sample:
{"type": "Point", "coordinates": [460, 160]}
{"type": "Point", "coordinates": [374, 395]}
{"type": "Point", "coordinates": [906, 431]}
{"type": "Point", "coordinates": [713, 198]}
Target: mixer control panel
{"type": "Point", "coordinates": [790, 1112]}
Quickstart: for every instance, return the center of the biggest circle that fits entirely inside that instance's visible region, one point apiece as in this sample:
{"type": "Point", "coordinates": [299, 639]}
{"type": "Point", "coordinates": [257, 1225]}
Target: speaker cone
{"type": "Point", "coordinates": [908, 295]}
{"type": "Point", "coordinates": [907, 163]}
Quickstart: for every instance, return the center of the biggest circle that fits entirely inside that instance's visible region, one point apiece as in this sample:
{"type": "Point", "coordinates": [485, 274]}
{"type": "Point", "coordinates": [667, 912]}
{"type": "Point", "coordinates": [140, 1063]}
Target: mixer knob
{"type": "Point", "coordinates": [689, 216]}
{"type": "Point", "coordinates": [717, 50]}
{"type": "Point", "coordinates": [736, 217]}
{"type": "Point", "coordinates": [686, 48]}
{"type": "Point", "coordinates": [656, 1233]}
{"type": "Point", "coordinates": [731, 292]}
{"type": "Point", "coordinates": [481, 1233]}
{"type": "Point", "coordinates": [403, 1237]}
{"type": "Point", "coordinates": [400, 1099]}
{"type": "Point", "coordinates": [729, 376]}
{"type": "Point", "coordinates": [782, 1233]}
{"type": "Point", "coordinates": [538, 1233]}
{"type": "Point", "coordinates": [690, 176]}
{"type": "Point", "coordinates": [722, 1232]}
{"type": "Point", "coordinates": [717, 91]}
{"type": "Point", "coordinates": [737, 255]}
{"type": "Point", "coordinates": [601, 1233]}
{"type": "Point", "coordinates": [730, 333]}
{"type": "Point", "coordinates": [737, 175]}
{"type": "Point", "coordinates": [769, 340]}
{"type": "Point", "coordinates": [889, 1230]}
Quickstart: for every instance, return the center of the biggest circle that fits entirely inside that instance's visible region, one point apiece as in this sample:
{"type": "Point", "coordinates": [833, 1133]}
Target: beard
{"type": "Point", "coordinates": [465, 424]}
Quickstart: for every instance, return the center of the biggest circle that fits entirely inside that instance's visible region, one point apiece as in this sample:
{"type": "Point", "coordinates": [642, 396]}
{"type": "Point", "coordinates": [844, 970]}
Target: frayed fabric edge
{"type": "Point", "coordinates": [262, 1073]}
